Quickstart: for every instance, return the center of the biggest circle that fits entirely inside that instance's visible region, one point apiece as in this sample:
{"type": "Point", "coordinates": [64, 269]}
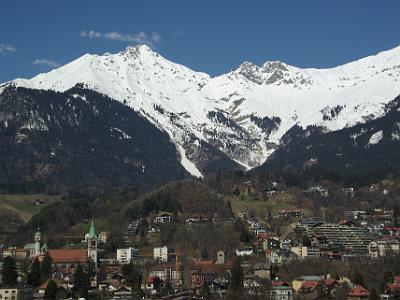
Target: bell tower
{"type": "Point", "coordinates": [38, 239]}
{"type": "Point", "coordinates": [92, 244]}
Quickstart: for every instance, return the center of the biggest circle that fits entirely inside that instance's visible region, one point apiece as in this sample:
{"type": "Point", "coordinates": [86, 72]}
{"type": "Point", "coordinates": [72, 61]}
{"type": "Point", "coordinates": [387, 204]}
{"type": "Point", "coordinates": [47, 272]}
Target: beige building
{"type": "Point", "coordinates": [381, 248]}
{"type": "Point", "coordinates": [16, 293]}
{"type": "Point", "coordinates": [303, 251]}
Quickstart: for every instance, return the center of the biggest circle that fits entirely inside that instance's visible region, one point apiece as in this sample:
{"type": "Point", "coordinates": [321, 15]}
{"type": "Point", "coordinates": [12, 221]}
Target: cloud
{"type": "Point", "coordinates": [178, 34]}
{"type": "Point", "coordinates": [138, 38]}
{"type": "Point", "coordinates": [7, 49]}
{"type": "Point", "coordinates": [46, 62]}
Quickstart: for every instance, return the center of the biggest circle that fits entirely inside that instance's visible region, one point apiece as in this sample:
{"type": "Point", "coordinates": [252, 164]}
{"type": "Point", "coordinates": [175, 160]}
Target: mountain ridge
{"type": "Point", "coordinates": [233, 111]}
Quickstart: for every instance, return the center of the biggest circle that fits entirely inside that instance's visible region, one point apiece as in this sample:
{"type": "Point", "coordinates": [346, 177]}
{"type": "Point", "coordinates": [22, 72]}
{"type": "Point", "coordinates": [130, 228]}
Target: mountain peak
{"type": "Point", "coordinates": [274, 65]}
{"type": "Point", "coordinates": [137, 50]}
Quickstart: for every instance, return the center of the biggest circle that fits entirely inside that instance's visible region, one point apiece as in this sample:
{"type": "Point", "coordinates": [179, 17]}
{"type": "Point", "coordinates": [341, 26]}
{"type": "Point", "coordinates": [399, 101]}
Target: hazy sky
{"type": "Point", "coordinates": [213, 36]}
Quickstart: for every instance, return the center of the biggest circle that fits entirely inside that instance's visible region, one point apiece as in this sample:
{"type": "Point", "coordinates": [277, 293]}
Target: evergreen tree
{"type": "Point", "coordinates": [78, 277]}
{"type": "Point", "coordinates": [166, 289]}
{"type": "Point", "coordinates": [269, 215]}
{"type": "Point", "coordinates": [34, 276]}
{"type": "Point", "coordinates": [388, 277]}
{"type": "Point", "coordinates": [358, 279]}
{"type": "Point", "coordinates": [236, 283]}
{"type": "Point", "coordinates": [9, 272]}
{"type": "Point", "coordinates": [373, 295]}
{"type": "Point", "coordinates": [51, 291]}
{"type": "Point", "coordinates": [90, 271]}
{"type": "Point", "coordinates": [46, 268]}
{"type": "Point", "coordinates": [204, 253]}
{"type": "Point", "coordinates": [396, 215]}
{"type": "Point", "coordinates": [134, 278]}
{"type": "Point", "coordinates": [157, 283]}
{"type": "Point", "coordinates": [205, 291]}
{"type": "Point", "coordinates": [131, 273]}
{"type": "Point", "coordinates": [81, 282]}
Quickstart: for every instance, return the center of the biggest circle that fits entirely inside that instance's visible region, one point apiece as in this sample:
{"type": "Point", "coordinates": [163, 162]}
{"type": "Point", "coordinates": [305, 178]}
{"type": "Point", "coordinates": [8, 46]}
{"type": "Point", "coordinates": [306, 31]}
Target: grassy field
{"type": "Point", "coordinates": [81, 229]}
{"type": "Point", "coordinates": [24, 205]}
{"type": "Point", "coordinates": [263, 204]}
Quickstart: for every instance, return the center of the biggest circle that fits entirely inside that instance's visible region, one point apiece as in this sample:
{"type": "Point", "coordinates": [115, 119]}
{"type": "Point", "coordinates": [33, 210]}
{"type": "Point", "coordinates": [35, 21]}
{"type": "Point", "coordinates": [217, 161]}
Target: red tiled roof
{"type": "Point", "coordinates": [359, 291]}
{"type": "Point", "coordinates": [68, 255]}
{"type": "Point", "coordinates": [310, 285]}
{"type": "Point", "coordinates": [279, 283]}
{"type": "Point", "coordinates": [393, 286]}
{"type": "Point", "coordinates": [164, 266]}
{"type": "Point", "coordinates": [204, 262]}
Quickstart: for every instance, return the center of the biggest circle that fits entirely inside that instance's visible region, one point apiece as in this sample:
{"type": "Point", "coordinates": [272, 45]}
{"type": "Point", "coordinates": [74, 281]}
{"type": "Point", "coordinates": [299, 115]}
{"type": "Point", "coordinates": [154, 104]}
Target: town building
{"type": "Point", "coordinates": [163, 218]}
{"type": "Point", "coordinates": [92, 245]}
{"type": "Point", "coordinates": [281, 290]}
{"type": "Point", "coordinates": [20, 293]}
{"type": "Point", "coordinates": [384, 247]}
{"type": "Point", "coordinates": [67, 258]}
{"type": "Point", "coordinates": [247, 251]}
{"type": "Point", "coordinates": [125, 256]}
{"type": "Point", "coordinates": [163, 254]}
{"type": "Point", "coordinates": [38, 247]}
{"type": "Point", "coordinates": [306, 251]}
{"type": "Point", "coordinates": [353, 240]}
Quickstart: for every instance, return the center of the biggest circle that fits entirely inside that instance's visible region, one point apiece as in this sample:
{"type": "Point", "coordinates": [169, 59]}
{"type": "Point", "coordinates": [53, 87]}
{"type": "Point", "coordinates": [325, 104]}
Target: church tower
{"type": "Point", "coordinates": [38, 239]}
{"type": "Point", "coordinates": [92, 244]}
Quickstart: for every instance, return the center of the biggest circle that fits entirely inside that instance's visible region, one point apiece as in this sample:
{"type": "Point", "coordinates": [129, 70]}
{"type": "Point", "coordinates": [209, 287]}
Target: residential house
{"type": "Point", "coordinates": [285, 244]}
{"type": "Point", "coordinates": [358, 293]}
{"type": "Point", "coordinates": [317, 189]}
{"type": "Point", "coordinates": [311, 289]}
{"type": "Point", "coordinates": [148, 286]}
{"type": "Point", "coordinates": [133, 228]}
{"type": "Point", "coordinates": [167, 272]}
{"type": "Point", "coordinates": [262, 270]}
{"type": "Point", "coordinates": [291, 213]}
{"type": "Point", "coordinates": [247, 251]}
{"type": "Point", "coordinates": [393, 289]}
{"type": "Point", "coordinates": [19, 253]}
{"type": "Point", "coordinates": [40, 291]}
{"type": "Point", "coordinates": [298, 282]}
{"type": "Point", "coordinates": [281, 290]}
{"type": "Point", "coordinates": [163, 218]}
{"type": "Point", "coordinates": [251, 281]}
{"type": "Point", "coordinates": [110, 285]}
{"type": "Point", "coordinates": [123, 293]}
{"type": "Point", "coordinates": [384, 247]}
{"type": "Point", "coordinates": [196, 219]}
{"type": "Point", "coordinates": [279, 256]}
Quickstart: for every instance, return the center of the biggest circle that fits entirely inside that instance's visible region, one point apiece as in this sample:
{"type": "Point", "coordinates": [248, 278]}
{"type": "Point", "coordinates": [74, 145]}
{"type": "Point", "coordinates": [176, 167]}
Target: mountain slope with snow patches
{"type": "Point", "coordinates": [243, 113]}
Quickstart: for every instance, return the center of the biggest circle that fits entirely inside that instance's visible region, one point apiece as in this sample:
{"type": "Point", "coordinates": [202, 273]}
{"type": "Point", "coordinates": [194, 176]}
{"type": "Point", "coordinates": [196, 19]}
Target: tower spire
{"type": "Point", "coordinates": [92, 231]}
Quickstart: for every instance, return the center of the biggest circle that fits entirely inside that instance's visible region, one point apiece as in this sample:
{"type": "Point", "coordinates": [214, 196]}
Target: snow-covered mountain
{"type": "Point", "coordinates": [243, 113]}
